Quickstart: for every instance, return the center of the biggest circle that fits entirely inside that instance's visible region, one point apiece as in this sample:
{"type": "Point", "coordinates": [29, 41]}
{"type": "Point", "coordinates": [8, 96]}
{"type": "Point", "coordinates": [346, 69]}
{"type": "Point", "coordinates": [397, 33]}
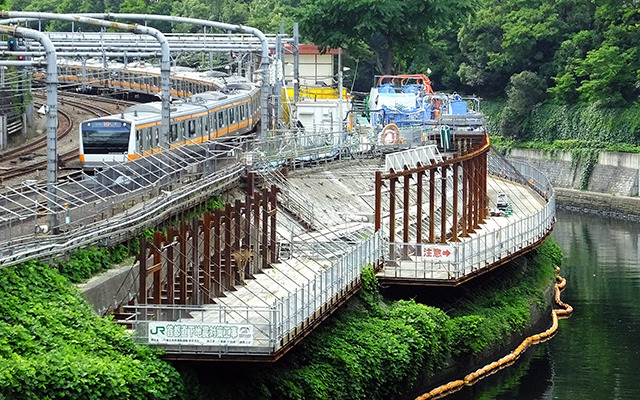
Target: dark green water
{"type": "Point", "coordinates": [596, 353]}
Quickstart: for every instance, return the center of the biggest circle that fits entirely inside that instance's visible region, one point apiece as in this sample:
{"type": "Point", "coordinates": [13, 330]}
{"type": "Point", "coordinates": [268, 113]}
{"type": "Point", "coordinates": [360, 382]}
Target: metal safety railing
{"type": "Point", "coordinates": [254, 330]}
{"type": "Point", "coordinates": [110, 200]}
{"type": "Point", "coordinates": [326, 287]}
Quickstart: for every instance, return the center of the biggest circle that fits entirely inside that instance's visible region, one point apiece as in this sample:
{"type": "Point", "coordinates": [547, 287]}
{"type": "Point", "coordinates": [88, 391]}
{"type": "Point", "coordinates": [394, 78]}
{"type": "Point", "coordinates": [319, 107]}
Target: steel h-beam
{"type": "Point", "coordinates": [406, 216]}
{"type": "Point", "coordinates": [392, 211]}
{"type": "Point", "coordinates": [454, 222]}
{"type": "Point", "coordinates": [432, 205]}
{"type": "Point", "coordinates": [419, 207]}
{"type": "Point", "coordinates": [378, 201]}
{"type": "Point", "coordinates": [443, 205]}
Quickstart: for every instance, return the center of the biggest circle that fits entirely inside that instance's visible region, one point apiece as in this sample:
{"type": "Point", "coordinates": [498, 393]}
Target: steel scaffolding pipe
{"type": "Point", "coordinates": [52, 105]}
{"type": "Point", "coordinates": [264, 62]}
{"type": "Point", "coordinates": [165, 64]}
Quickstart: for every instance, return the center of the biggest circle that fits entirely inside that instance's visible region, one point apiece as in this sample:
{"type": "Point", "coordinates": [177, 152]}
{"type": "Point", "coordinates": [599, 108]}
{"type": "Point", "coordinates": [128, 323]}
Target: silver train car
{"type": "Point", "coordinates": [135, 133]}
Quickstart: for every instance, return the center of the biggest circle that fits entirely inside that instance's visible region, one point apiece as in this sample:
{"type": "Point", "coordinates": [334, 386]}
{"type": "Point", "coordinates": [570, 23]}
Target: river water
{"type": "Point", "coordinates": [596, 353]}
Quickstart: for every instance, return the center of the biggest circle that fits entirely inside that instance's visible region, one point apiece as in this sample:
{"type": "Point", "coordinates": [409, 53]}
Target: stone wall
{"type": "Point", "coordinates": [111, 289]}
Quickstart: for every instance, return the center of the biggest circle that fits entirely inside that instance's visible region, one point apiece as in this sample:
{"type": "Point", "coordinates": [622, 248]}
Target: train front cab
{"type": "Point", "coordinates": [104, 141]}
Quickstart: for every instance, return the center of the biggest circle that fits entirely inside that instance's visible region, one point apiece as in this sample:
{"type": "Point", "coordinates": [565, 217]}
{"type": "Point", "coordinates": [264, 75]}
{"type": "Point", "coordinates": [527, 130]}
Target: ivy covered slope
{"type": "Point", "coordinates": [53, 347]}
{"type": "Point", "coordinates": [376, 349]}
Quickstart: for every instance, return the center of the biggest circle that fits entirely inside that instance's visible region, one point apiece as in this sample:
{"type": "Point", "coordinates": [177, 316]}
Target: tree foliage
{"type": "Point", "coordinates": [381, 28]}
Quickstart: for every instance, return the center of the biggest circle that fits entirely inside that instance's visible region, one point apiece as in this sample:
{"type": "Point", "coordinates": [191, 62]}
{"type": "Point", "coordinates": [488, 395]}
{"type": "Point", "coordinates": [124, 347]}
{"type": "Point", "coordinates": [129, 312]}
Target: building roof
{"type": "Point", "coordinates": [312, 49]}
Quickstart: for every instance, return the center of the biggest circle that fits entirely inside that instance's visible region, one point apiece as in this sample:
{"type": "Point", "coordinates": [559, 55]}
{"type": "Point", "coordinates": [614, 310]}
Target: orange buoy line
{"type": "Point", "coordinates": [509, 359]}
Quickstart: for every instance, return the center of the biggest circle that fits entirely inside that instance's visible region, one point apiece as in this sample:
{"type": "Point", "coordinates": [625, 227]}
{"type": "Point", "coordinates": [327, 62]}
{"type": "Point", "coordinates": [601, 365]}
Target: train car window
{"type": "Point", "coordinates": [220, 119]}
{"type": "Point", "coordinates": [173, 132]}
{"type": "Point", "coordinates": [147, 134]}
{"type": "Point", "coordinates": [205, 121]}
{"type": "Point", "coordinates": [138, 141]}
{"type": "Point", "coordinates": [106, 136]}
{"type": "Point", "coordinates": [243, 115]}
{"type": "Point", "coordinates": [232, 116]}
{"type": "Point", "coordinates": [192, 127]}
{"type": "Point", "coordinates": [182, 130]}
{"type": "Point", "coordinates": [157, 135]}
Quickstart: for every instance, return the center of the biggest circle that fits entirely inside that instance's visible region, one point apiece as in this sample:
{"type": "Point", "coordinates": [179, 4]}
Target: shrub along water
{"type": "Point", "coordinates": [52, 346]}
{"type": "Point", "coordinates": [375, 348]}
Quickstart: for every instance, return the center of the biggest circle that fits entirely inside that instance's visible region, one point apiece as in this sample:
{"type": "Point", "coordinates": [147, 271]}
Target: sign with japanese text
{"type": "Point", "coordinates": [200, 334]}
{"type": "Point", "coordinates": [438, 252]}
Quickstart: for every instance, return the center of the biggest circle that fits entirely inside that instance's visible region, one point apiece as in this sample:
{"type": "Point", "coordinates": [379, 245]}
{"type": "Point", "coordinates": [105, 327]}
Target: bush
{"type": "Point", "coordinates": [52, 346]}
{"type": "Point", "coordinates": [85, 263]}
{"type": "Point", "coordinates": [378, 349]}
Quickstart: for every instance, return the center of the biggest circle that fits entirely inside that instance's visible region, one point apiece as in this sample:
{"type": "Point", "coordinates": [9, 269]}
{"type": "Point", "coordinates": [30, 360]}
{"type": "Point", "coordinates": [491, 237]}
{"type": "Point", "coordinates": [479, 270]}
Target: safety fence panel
{"type": "Point", "coordinates": [240, 330]}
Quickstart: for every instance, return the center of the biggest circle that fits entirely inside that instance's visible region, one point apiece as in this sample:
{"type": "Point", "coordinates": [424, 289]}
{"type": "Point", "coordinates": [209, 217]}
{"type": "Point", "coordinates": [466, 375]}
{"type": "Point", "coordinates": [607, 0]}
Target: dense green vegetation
{"type": "Point", "coordinates": [377, 348]}
{"type": "Point", "coordinates": [52, 346]}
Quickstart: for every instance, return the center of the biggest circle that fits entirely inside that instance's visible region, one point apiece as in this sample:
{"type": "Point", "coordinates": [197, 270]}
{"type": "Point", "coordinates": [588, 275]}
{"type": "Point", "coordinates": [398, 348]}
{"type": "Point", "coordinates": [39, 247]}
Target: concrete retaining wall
{"type": "Point", "coordinates": [111, 289]}
{"type": "Point", "coordinates": [613, 183]}
{"type": "Point", "coordinates": [615, 173]}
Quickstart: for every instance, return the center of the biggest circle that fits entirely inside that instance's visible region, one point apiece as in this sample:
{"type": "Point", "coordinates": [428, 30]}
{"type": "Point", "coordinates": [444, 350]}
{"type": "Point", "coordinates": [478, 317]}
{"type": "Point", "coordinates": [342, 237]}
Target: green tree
{"type": "Point", "coordinates": [525, 90]}
{"type": "Point", "coordinates": [381, 28]}
{"type": "Point", "coordinates": [507, 37]}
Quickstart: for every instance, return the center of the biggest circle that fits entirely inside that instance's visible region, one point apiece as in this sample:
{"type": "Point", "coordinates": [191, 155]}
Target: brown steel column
{"type": "Point", "coordinates": [264, 246]}
{"type": "Point", "coordinates": [378, 201]}
{"type": "Point", "coordinates": [465, 198]}
{"type": "Point", "coordinates": [454, 223]}
{"type": "Point", "coordinates": [273, 213]}
{"type": "Point", "coordinates": [432, 205]}
{"type": "Point", "coordinates": [257, 229]}
{"type": "Point", "coordinates": [217, 253]}
{"type": "Point", "coordinates": [483, 188]}
{"type": "Point", "coordinates": [392, 210]}
{"type": "Point", "coordinates": [142, 271]}
{"type": "Point", "coordinates": [195, 261]}
{"type": "Point", "coordinates": [247, 221]}
{"type": "Point", "coordinates": [228, 277]}
{"type": "Point", "coordinates": [206, 263]}
{"type": "Point", "coordinates": [237, 225]}
{"type": "Point", "coordinates": [171, 274]}
{"type": "Point", "coordinates": [157, 275]}
{"type": "Point", "coordinates": [477, 193]}
{"type": "Point", "coordinates": [419, 207]}
{"type": "Point", "coordinates": [405, 225]}
{"type": "Point", "coordinates": [472, 194]}
{"type": "Point", "coordinates": [443, 206]}
{"type": "Point", "coordinates": [183, 262]}
{"type": "Point", "coordinates": [237, 207]}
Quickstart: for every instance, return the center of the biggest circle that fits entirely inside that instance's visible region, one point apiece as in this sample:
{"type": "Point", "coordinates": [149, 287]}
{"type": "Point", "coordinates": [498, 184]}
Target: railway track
{"type": "Point", "coordinates": [15, 162]}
